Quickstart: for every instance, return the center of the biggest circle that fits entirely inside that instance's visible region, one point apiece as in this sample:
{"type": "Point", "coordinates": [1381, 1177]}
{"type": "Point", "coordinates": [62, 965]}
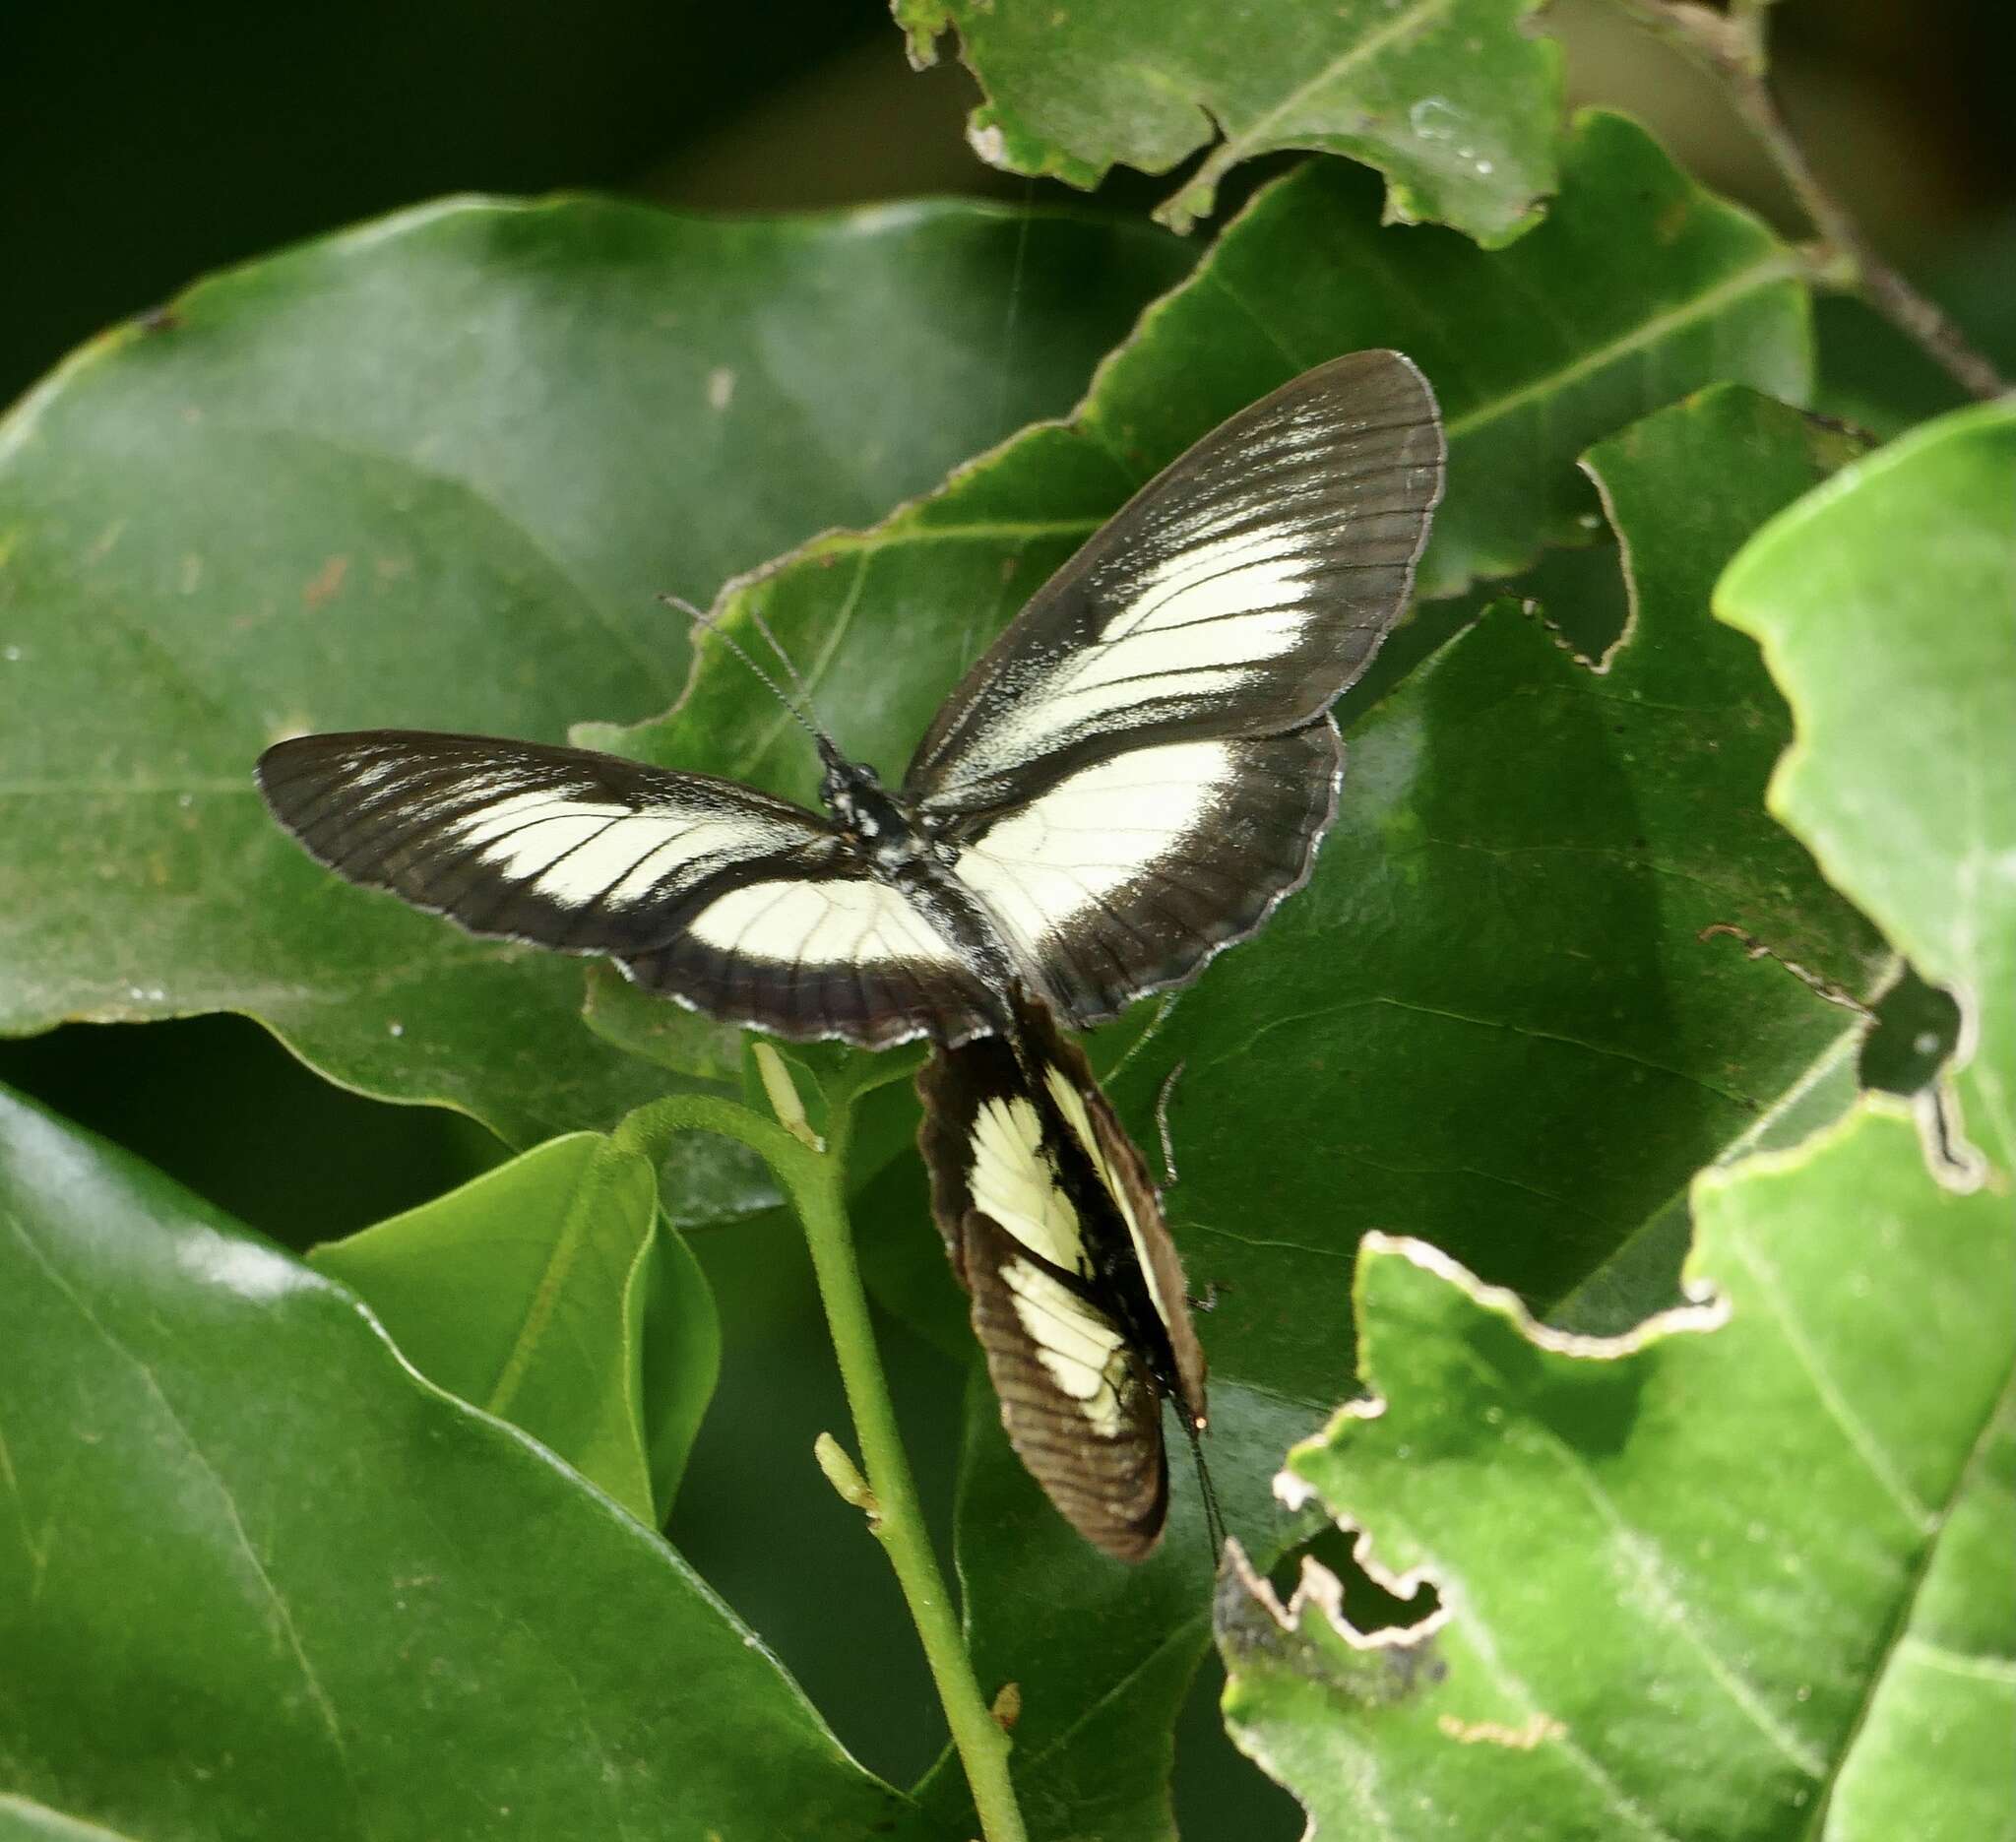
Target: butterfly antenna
{"type": "Point", "coordinates": [1214, 1517]}
{"type": "Point", "coordinates": [804, 690]}
{"type": "Point", "coordinates": [700, 618]}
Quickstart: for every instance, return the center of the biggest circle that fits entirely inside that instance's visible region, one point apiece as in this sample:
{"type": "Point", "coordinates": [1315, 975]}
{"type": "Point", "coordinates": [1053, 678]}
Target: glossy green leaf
{"type": "Point", "coordinates": [1490, 1021]}
{"type": "Point", "coordinates": [1639, 287]}
{"type": "Point", "coordinates": [433, 474]}
{"type": "Point", "coordinates": [1886, 605]}
{"type": "Point", "coordinates": [30, 1821]}
{"type": "Point", "coordinates": [1680, 1571]}
{"type": "Point", "coordinates": [544, 1293]}
{"type": "Point", "coordinates": [258, 1579]}
{"type": "Point", "coordinates": [1456, 102]}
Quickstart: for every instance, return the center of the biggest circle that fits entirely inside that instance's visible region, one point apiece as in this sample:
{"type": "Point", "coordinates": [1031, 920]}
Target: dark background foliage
{"type": "Point", "coordinates": [143, 146]}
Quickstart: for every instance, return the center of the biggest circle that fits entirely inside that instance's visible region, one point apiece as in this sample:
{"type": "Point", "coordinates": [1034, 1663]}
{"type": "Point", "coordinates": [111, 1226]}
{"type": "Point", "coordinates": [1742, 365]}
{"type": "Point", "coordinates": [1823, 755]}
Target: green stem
{"type": "Point", "coordinates": [816, 1181]}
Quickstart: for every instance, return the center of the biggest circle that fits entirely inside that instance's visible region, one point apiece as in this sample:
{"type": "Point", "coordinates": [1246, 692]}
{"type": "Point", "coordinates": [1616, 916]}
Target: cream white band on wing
{"type": "Point", "coordinates": [1012, 1181]}
{"type": "Point", "coordinates": [1094, 833]}
{"type": "Point", "coordinates": [811, 925]}
{"type": "Point", "coordinates": [1072, 1104]}
{"type": "Point", "coordinates": [1195, 627]}
{"type": "Point", "coordinates": [574, 852]}
{"type": "Point", "coordinates": [1080, 1349]}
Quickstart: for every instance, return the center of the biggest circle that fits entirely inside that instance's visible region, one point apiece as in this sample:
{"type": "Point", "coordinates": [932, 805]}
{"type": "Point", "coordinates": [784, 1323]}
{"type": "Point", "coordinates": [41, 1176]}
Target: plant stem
{"type": "Point", "coordinates": [1733, 48]}
{"type": "Point", "coordinates": [898, 1522]}
{"type": "Point", "coordinates": [817, 1184]}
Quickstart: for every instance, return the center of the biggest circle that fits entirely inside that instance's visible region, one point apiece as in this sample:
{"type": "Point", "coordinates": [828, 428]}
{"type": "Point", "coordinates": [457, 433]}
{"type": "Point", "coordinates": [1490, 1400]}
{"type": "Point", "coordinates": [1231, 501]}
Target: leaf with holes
{"type": "Point", "coordinates": [432, 474]}
{"type": "Point", "coordinates": [1735, 1595]}
{"type": "Point", "coordinates": [1490, 1021]}
{"type": "Point", "coordinates": [382, 1612]}
{"type": "Point", "coordinates": [546, 1294]}
{"type": "Point", "coordinates": [1886, 605]}
{"type": "Point", "coordinates": [1456, 102]}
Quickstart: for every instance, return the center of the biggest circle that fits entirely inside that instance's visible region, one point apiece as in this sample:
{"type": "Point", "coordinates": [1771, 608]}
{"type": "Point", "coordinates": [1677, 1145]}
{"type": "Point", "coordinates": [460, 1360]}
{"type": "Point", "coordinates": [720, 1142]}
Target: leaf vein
{"type": "Point", "coordinates": [1586, 1762]}
{"type": "Point", "coordinates": [1777, 267]}
{"type": "Point", "coordinates": [317, 1693]}
{"type": "Point", "coordinates": [1646, 1559]}
{"type": "Point", "coordinates": [2000, 1671]}
{"type": "Point", "coordinates": [1245, 1046]}
{"type": "Point", "coordinates": [1864, 1444]}
{"type": "Point", "coordinates": [1237, 145]}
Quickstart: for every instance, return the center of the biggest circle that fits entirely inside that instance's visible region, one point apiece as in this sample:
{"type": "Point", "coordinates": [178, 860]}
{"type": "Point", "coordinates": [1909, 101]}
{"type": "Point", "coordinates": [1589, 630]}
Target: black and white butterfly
{"type": "Point", "coordinates": [1129, 779]}
{"type": "Point", "coordinates": [1056, 1229]}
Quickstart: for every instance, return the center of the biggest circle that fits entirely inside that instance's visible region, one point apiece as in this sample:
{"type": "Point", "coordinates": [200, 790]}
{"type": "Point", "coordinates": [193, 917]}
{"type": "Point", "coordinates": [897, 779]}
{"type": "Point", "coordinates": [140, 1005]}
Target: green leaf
{"type": "Point", "coordinates": [261, 1579]}
{"type": "Point", "coordinates": [1853, 591]}
{"type": "Point", "coordinates": [1933, 1756]}
{"type": "Point", "coordinates": [1638, 287]}
{"type": "Point", "coordinates": [25, 1818]}
{"type": "Point", "coordinates": [1456, 102]}
{"type": "Point", "coordinates": [1726, 1551]}
{"type": "Point", "coordinates": [1886, 605]}
{"type": "Point", "coordinates": [544, 1294]}
{"type": "Point", "coordinates": [1490, 1021]}
{"type": "Point", "coordinates": [669, 1316]}
{"type": "Point", "coordinates": [433, 472]}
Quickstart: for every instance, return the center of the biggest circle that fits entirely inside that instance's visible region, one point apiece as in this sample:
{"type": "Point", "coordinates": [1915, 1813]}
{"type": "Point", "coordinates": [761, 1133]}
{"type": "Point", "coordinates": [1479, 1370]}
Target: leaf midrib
{"type": "Point", "coordinates": [1908, 1602]}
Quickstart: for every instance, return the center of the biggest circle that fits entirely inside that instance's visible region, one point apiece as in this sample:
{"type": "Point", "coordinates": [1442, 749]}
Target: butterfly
{"type": "Point", "coordinates": [1128, 780]}
{"type": "Point", "coordinates": [1056, 1229]}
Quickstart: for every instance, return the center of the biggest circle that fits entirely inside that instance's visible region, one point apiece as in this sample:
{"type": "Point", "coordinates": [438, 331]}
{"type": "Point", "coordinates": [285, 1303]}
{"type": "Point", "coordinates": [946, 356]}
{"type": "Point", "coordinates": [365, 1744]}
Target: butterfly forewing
{"type": "Point", "coordinates": [1236, 594]}
{"type": "Point", "coordinates": [1078, 1300]}
{"type": "Point", "coordinates": [711, 892]}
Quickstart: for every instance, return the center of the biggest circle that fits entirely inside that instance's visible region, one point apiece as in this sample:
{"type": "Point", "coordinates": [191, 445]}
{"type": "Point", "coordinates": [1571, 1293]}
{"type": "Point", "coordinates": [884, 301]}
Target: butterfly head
{"type": "Point", "coordinates": [875, 823]}
{"type": "Point", "coordinates": [842, 775]}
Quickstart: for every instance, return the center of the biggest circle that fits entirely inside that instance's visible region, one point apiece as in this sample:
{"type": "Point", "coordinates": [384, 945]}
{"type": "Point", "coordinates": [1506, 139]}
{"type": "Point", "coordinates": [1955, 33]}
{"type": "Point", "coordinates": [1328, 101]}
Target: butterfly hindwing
{"type": "Point", "coordinates": [1236, 594]}
{"type": "Point", "coordinates": [709, 891]}
{"type": "Point", "coordinates": [1130, 872]}
{"type": "Point", "coordinates": [837, 953]}
{"type": "Point", "coordinates": [1078, 1300]}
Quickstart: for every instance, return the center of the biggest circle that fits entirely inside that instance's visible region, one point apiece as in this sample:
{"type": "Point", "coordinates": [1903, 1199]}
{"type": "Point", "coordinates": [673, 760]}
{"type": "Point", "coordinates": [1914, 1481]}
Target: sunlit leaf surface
{"type": "Point", "coordinates": [1731, 1604]}
{"type": "Point", "coordinates": [1456, 102]}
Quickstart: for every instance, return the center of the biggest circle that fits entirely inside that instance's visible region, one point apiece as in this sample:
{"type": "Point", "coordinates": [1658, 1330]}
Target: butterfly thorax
{"type": "Point", "coordinates": [899, 845]}
{"type": "Point", "coordinates": [874, 822]}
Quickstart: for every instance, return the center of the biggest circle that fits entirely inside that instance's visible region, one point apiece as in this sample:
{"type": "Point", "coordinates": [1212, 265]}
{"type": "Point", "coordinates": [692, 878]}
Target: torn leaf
{"type": "Point", "coordinates": [1681, 1570]}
